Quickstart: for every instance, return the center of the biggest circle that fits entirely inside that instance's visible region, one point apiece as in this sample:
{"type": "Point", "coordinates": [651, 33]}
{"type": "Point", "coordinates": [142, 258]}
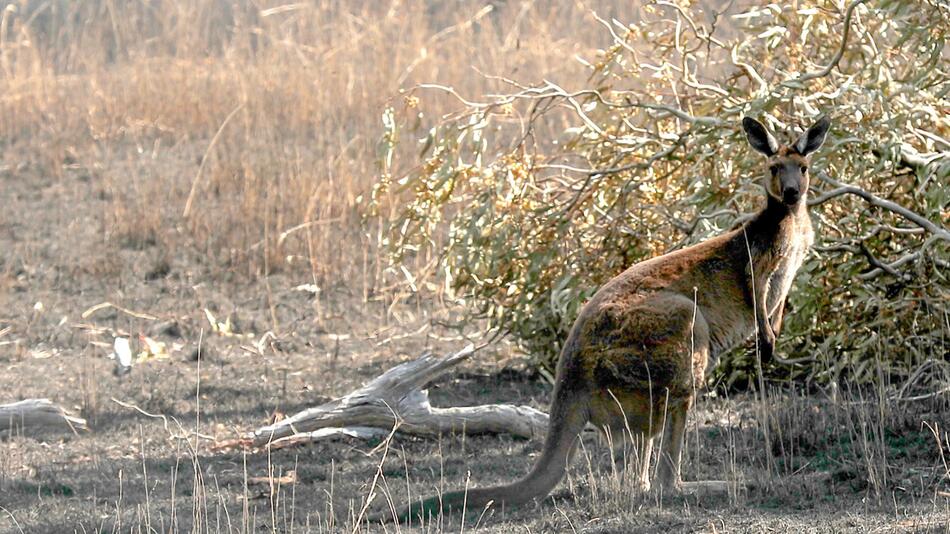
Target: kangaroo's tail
{"type": "Point", "coordinates": [569, 414]}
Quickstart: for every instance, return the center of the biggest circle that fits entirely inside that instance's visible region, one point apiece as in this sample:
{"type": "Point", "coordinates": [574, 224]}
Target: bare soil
{"type": "Point", "coordinates": [833, 470]}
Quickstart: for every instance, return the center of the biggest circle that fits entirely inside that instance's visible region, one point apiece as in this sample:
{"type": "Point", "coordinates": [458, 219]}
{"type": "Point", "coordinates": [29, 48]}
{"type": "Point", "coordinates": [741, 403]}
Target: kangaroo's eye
{"type": "Point", "coordinates": [773, 169]}
{"type": "Point", "coordinates": [804, 169]}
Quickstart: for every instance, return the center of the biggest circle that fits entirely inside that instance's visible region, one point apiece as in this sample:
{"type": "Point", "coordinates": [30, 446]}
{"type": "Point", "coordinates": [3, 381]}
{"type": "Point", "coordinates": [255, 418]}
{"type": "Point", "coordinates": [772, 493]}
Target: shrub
{"type": "Point", "coordinates": [528, 201]}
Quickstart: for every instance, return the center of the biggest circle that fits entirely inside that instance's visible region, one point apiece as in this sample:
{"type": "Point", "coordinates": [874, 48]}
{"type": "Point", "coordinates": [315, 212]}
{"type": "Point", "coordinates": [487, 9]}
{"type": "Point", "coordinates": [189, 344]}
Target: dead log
{"type": "Point", "coordinates": [31, 414]}
{"type": "Point", "coordinates": [396, 398]}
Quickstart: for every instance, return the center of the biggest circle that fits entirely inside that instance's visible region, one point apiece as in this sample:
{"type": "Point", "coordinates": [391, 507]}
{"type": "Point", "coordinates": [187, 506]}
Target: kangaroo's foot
{"type": "Point", "coordinates": [635, 472]}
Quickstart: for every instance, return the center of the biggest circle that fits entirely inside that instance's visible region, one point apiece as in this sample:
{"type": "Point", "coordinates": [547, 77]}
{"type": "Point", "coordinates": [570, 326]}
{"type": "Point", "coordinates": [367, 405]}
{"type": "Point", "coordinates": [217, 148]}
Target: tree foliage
{"type": "Point", "coordinates": [528, 201]}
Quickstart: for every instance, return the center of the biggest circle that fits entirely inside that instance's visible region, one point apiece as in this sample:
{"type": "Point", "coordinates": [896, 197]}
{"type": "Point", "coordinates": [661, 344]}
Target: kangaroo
{"type": "Point", "coordinates": [641, 347]}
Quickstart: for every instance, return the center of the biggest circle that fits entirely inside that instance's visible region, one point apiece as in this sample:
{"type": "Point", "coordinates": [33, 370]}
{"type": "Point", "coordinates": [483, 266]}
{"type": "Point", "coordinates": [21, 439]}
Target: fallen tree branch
{"type": "Point", "coordinates": [34, 413]}
{"type": "Point", "coordinates": [937, 372]}
{"type": "Point", "coordinates": [396, 399]}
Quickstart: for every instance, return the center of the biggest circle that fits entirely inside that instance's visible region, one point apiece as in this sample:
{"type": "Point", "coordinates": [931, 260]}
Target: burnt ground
{"type": "Point", "coordinates": [842, 466]}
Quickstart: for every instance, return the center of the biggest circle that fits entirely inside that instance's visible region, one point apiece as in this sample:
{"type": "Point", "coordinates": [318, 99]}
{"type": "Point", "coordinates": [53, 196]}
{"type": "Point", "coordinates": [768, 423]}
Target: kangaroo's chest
{"type": "Point", "coordinates": [787, 261]}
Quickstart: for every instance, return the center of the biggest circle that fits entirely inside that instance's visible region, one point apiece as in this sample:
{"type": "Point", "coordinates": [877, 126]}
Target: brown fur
{"type": "Point", "coordinates": [641, 347]}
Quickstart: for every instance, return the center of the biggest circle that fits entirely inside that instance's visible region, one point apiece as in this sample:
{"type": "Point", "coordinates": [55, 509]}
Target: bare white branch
{"type": "Point", "coordinates": [396, 399]}
{"type": "Point", "coordinates": [31, 414]}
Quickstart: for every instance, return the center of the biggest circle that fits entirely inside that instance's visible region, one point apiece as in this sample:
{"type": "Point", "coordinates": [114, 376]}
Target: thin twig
{"type": "Point", "coordinates": [204, 159]}
{"type": "Point", "coordinates": [874, 200]}
{"type": "Point", "coordinates": [376, 477]}
{"type": "Point", "coordinates": [103, 305]}
{"type": "Point", "coordinates": [185, 435]}
{"type": "Point", "coordinates": [838, 55]}
{"type": "Point", "coordinates": [15, 522]}
{"type": "Point", "coordinates": [439, 36]}
{"type": "Point", "coordinates": [925, 396]}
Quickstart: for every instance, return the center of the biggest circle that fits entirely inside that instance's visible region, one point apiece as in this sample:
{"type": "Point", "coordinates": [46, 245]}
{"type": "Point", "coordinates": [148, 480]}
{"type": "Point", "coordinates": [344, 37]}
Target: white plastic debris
{"type": "Point", "coordinates": [122, 354]}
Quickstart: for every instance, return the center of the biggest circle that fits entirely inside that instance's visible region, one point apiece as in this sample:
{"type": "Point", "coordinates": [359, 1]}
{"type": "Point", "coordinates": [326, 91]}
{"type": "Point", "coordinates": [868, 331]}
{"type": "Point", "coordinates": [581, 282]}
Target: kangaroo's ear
{"type": "Point", "coordinates": [812, 139]}
{"type": "Point", "coordinates": [759, 137]}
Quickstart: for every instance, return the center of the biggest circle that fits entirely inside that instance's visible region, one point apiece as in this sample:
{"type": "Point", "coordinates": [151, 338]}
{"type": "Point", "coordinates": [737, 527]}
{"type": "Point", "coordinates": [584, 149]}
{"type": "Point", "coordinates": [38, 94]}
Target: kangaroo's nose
{"type": "Point", "coordinates": [790, 195]}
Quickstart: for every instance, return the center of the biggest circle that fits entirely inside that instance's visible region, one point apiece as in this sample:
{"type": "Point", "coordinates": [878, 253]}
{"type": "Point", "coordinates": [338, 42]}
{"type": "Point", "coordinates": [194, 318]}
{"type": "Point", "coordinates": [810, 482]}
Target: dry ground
{"type": "Point", "coordinates": [130, 474]}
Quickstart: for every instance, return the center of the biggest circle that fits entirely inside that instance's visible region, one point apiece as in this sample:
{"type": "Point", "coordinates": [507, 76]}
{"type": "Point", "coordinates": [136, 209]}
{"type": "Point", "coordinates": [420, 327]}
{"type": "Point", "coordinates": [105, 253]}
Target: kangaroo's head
{"type": "Point", "coordinates": [787, 177]}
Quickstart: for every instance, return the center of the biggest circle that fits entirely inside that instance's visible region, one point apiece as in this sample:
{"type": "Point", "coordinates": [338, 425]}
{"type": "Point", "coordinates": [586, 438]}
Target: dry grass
{"type": "Point", "coordinates": [272, 115]}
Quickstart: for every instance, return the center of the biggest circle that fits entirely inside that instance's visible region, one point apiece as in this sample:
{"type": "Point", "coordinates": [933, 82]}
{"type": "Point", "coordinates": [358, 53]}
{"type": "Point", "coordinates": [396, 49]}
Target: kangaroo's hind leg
{"type": "Point", "coordinates": [634, 452]}
{"type": "Point", "coordinates": [623, 428]}
{"type": "Point", "coordinates": [645, 450]}
{"type": "Point", "coordinates": [669, 471]}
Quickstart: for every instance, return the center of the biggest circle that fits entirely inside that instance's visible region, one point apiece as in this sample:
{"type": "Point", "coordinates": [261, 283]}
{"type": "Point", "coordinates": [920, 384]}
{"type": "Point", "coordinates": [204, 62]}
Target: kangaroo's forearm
{"type": "Point", "coordinates": [777, 318]}
{"type": "Point", "coordinates": [766, 337]}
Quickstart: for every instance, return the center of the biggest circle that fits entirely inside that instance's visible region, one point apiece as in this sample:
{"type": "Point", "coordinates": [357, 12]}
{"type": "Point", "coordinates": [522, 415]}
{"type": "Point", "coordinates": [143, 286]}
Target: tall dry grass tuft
{"type": "Point", "coordinates": [264, 121]}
